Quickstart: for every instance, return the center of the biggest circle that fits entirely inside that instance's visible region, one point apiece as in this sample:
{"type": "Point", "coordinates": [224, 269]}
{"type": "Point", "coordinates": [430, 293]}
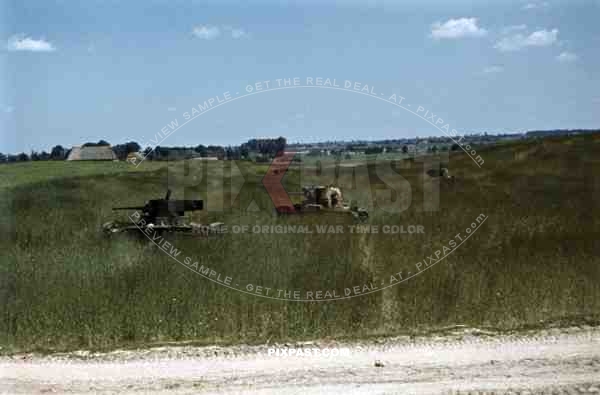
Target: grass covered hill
{"type": "Point", "coordinates": [64, 285]}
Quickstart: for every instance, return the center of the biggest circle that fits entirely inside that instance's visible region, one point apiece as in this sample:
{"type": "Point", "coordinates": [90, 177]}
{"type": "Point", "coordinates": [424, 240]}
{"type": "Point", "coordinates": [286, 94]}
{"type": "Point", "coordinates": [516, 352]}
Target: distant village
{"type": "Point", "coordinates": [265, 149]}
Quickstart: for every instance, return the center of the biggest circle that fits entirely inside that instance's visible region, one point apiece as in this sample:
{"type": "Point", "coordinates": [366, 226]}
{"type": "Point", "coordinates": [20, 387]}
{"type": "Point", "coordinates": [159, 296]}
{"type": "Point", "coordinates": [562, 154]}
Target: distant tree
{"type": "Point", "coordinates": [58, 153]}
{"type": "Point", "coordinates": [279, 144]}
{"type": "Point", "coordinates": [12, 158]}
{"type": "Point", "coordinates": [244, 152]}
{"type": "Point", "coordinates": [230, 153]}
{"type": "Point", "coordinates": [3, 158]}
{"type": "Point", "coordinates": [455, 147]}
{"type": "Point", "coordinates": [268, 147]}
{"type": "Point", "coordinates": [132, 146]}
{"type": "Point", "coordinates": [405, 149]}
{"type": "Point", "coordinates": [122, 150]}
{"type": "Point", "coordinates": [34, 156]}
{"type": "Point", "coordinates": [147, 151]}
{"type": "Point", "coordinates": [22, 157]}
{"type": "Point", "coordinates": [216, 150]}
{"type": "Point", "coordinates": [155, 153]}
{"type": "Point", "coordinates": [44, 155]}
{"type": "Point", "coordinates": [434, 148]}
{"type": "Point", "coordinates": [201, 149]}
{"type": "Point", "coordinates": [98, 144]}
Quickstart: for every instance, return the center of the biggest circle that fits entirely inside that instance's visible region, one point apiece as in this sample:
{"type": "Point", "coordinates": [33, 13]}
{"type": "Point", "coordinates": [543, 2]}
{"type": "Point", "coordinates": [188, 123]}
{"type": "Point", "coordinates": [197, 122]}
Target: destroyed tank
{"type": "Point", "coordinates": [322, 199]}
{"type": "Point", "coordinates": [163, 215]}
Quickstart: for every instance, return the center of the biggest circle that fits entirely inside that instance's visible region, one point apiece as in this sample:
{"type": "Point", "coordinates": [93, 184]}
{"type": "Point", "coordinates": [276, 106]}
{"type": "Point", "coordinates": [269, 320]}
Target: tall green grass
{"type": "Point", "coordinates": [64, 285]}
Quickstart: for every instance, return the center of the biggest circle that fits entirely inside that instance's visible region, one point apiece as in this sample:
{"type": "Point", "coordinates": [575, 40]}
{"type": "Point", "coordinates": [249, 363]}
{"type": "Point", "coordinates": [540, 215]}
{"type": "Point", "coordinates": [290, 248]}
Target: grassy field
{"type": "Point", "coordinates": [22, 173]}
{"type": "Point", "coordinates": [64, 285]}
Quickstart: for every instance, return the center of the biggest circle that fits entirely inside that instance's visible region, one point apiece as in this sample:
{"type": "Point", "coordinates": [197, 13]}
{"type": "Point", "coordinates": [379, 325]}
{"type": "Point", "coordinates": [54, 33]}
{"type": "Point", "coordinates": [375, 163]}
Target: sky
{"type": "Point", "coordinates": [73, 71]}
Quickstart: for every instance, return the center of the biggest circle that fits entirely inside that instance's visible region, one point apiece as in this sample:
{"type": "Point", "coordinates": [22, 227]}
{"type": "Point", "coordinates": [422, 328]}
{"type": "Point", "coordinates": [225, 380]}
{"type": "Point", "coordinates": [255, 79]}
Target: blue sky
{"type": "Point", "coordinates": [73, 71]}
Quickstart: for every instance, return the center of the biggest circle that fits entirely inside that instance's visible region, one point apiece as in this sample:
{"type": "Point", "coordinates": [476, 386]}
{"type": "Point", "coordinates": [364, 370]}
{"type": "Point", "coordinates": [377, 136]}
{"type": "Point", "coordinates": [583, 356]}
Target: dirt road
{"type": "Point", "coordinates": [551, 361]}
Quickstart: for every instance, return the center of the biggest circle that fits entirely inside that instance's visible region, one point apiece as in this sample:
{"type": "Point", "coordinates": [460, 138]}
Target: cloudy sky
{"type": "Point", "coordinates": [73, 71]}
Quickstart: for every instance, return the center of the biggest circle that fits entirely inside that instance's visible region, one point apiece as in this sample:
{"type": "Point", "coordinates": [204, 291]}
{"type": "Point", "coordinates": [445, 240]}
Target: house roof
{"type": "Point", "coordinates": [92, 153]}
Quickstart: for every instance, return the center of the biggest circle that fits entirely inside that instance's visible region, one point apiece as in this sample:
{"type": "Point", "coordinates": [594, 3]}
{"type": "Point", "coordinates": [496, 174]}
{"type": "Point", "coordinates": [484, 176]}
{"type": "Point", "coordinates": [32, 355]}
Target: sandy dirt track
{"type": "Point", "coordinates": [550, 361]}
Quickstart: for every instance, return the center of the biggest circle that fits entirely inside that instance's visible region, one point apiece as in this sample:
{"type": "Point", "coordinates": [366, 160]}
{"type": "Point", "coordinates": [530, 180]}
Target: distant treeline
{"type": "Point", "coordinates": [264, 148]}
{"type": "Point", "coordinates": [560, 132]}
{"type": "Point", "coordinates": [58, 152]}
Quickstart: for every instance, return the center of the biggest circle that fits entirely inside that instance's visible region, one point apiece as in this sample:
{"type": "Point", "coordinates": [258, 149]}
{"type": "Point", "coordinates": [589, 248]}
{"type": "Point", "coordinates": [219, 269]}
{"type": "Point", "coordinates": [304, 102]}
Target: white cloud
{"type": "Point", "coordinates": [540, 38]}
{"type": "Point", "coordinates": [493, 69]}
{"type": "Point", "coordinates": [533, 6]}
{"type": "Point", "coordinates": [457, 28]}
{"type": "Point", "coordinates": [566, 57]}
{"type": "Point", "coordinates": [206, 32]}
{"type": "Point", "coordinates": [20, 42]}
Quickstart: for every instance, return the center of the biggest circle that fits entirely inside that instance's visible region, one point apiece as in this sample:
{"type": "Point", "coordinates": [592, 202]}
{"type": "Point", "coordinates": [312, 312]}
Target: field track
{"type": "Point", "coordinates": [552, 361]}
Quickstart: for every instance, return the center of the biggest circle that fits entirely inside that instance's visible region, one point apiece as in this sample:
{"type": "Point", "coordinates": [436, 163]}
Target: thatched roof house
{"type": "Point", "coordinates": [103, 152]}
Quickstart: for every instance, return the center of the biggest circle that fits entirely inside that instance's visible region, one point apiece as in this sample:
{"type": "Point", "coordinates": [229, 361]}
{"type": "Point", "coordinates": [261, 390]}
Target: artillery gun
{"type": "Point", "coordinates": [163, 215]}
{"type": "Point", "coordinates": [323, 199]}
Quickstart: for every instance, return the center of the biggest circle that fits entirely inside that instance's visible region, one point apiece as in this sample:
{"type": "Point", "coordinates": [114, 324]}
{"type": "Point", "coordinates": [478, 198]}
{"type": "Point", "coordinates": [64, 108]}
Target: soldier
{"type": "Point", "coordinates": [444, 172]}
{"type": "Point", "coordinates": [309, 194]}
{"type": "Point", "coordinates": [334, 196]}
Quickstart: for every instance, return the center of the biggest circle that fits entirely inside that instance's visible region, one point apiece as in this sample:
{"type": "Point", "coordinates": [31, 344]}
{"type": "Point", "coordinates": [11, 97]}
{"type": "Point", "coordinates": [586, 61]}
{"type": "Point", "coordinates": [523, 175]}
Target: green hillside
{"type": "Point", "coordinates": [64, 285]}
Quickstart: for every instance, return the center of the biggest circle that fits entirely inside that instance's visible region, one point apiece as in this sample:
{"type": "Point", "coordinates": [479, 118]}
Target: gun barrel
{"type": "Point", "coordinates": [129, 208]}
{"type": "Point", "coordinates": [164, 207]}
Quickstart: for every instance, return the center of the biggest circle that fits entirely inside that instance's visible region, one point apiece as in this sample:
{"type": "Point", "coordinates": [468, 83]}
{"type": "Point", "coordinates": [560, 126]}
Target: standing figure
{"type": "Point", "coordinates": [334, 197]}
